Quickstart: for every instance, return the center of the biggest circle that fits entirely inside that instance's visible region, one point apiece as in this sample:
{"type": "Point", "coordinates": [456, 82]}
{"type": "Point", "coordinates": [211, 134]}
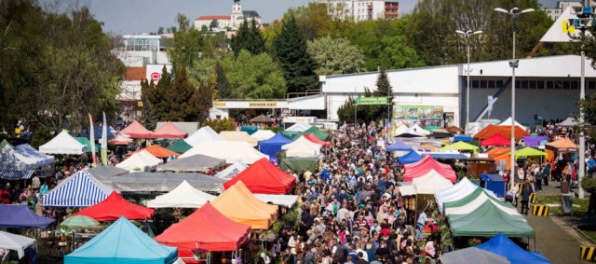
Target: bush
{"type": "Point", "coordinates": [225, 124]}
{"type": "Point", "coordinates": [274, 129]}
{"type": "Point", "coordinates": [589, 184]}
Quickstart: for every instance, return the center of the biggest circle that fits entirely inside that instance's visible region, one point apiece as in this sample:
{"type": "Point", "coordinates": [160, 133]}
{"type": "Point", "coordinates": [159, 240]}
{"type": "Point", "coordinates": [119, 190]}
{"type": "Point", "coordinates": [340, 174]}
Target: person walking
{"type": "Point", "coordinates": [526, 191]}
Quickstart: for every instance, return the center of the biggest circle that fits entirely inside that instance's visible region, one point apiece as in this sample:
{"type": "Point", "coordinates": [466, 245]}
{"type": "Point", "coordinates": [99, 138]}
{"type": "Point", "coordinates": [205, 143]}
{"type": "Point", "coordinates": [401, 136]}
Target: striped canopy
{"type": "Point", "coordinates": [79, 190]}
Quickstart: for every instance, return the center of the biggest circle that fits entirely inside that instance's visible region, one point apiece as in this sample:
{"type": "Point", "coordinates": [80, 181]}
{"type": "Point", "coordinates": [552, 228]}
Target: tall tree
{"type": "Point", "coordinates": [203, 98]}
{"type": "Point", "coordinates": [335, 56]}
{"type": "Point", "coordinates": [178, 101]}
{"type": "Point", "coordinates": [384, 89]}
{"type": "Point", "coordinates": [290, 50]}
{"type": "Point", "coordinates": [223, 86]}
{"type": "Point", "coordinates": [148, 117]}
{"type": "Point", "coordinates": [249, 38]}
{"type": "Point", "coordinates": [160, 97]}
{"type": "Point", "coordinates": [255, 77]}
{"type": "Point", "coordinates": [188, 45]}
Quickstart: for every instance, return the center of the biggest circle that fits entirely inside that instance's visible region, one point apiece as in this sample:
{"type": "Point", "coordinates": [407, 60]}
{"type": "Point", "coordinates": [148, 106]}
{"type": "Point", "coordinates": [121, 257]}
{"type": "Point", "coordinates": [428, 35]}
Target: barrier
{"type": "Point", "coordinates": [540, 210]}
{"type": "Point", "coordinates": [587, 252]}
{"type": "Point", "coordinates": [532, 198]}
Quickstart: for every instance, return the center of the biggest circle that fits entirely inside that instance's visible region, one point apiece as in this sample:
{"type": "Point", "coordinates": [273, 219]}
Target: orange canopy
{"type": "Point", "coordinates": [563, 145]}
{"type": "Point", "coordinates": [169, 130]}
{"type": "Point", "coordinates": [241, 206]}
{"type": "Point", "coordinates": [158, 151]}
{"type": "Point", "coordinates": [495, 152]}
{"type": "Point", "coordinates": [505, 131]}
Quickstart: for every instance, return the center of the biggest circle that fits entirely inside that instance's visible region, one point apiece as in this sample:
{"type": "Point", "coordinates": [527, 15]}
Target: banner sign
{"type": "Point", "coordinates": [421, 112]}
{"type": "Point", "coordinates": [371, 100]}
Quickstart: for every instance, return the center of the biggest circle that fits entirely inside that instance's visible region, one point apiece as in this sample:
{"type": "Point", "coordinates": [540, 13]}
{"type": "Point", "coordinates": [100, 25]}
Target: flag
{"type": "Point", "coordinates": [104, 141]}
{"type": "Point", "coordinates": [92, 140]}
{"type": "Point", "coordinates": [565, 28]}
{"type": "Point", "coordinates": [491, 101]}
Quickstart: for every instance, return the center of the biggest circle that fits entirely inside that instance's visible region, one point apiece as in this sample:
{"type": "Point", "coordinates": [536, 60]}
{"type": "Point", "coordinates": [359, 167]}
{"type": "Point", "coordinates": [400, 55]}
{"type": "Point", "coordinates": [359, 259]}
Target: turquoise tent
{"type": "Point", "coordinates": [122, 242]}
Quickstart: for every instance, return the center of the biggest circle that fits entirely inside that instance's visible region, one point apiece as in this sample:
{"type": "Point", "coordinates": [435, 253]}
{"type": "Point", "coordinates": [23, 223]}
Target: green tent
{"type": "Point", "coordinates": [488, 221]}
{"type": "Point", "coordinates": [529, 152]}
{"type": "Point", "coordinates": [299, 163]}
{"type": "Point", "coordinates": [320, 134]}
{"type": "Point", "coordinates": [180, 146]}
{"type": "Point", "coordinates": [431, 128]}
{"type": "Point", "coordinates": [460, 145]}
{"type": "Point", "coordinates": [5, 143]}
{"type": "Point", "coordinates": [85, 141]}
{"type": "Point", "coordinates": [249, 129]}
{"type": "Point", "coordinates": [293, 135]}
{"type": "Point", "coordinates": [471, 197]}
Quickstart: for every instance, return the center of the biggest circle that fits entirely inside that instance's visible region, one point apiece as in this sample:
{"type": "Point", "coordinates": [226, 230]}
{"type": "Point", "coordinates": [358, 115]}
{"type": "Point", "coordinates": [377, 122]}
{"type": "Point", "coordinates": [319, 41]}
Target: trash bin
{"type": "Point", "coordinates": [567, 203]}
{"type": "Point", "coordinates": [564, 187]}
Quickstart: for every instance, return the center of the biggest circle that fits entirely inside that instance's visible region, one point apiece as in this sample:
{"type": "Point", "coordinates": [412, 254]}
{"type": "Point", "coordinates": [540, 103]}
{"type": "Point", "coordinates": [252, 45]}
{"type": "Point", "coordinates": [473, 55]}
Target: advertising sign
{"type": "Point", "coordinates": [371, 101]}
{"type": "Point", "coordinates": [420, 112]}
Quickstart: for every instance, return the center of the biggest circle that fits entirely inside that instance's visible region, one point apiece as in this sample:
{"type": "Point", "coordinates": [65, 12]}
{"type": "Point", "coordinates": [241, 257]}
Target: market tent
{"type": "Point", "coordinates": [105, 172]}
{"type": "Point", "coordinates": [462, 146]}
{"type": "Point", "coordinates": [85, 141]}
{"type": "Point", "coordinates": [299, 163]}
{"type": "Point", "coordinates": [487, 221]}
{"type": "Point", "coordinates": [505, 131]}
{"type": "Point", "coordinates": [203, 134]}
{"type": "Point", "coordinates": [496, 140]}
{"type": "Point", "coordinates": [139, 161]}
{"type": "Point", "coordinates": [475, 200]}
{"type": "Point", "coordinates": [261, 135]}
{"type": "Point", "coordinates": [231, 170]}
{"type": "Point", "coordinates": [5, 143]}
{"type": "Point", "coordinates": [416, 129]}
{"type": "Point", "coordinates": [183, 196]}
{"type": "Point", "coordinates": [507, 122]}
{"type": "Point", "coordinates": [97, 132]}
{"type": "Point", "coordinates": [241, 206]}
{"type": "Point", "coordinates": [503, 246]}
{"type": "Point", "coordinates": [261, 119]}
{"type": "Point", "coordinates": [165, 182]}
{"type": "Point", "coordinates": [136, 130]}
{"type": "Point", "coordinates": [315, 140]}
{"type": "Point", "coordinates": [120, 139]}
{"type": "Point", "coordinates": [205, 229]}
{"type": "Point", "coordinates": [409, 134]}
{"type": "Point", "coordinates": [158, 151]}
{"type": "Point", "coordinates": [320, 134]}
{"type": "Point", "coordinates": [495, 152]}
{"type": "Point", "coordinates": [420, 168]}
{"type": "Point", "coordinates": [11, 167]}
{"type": "Point", "coordinates": [299, 127]}
{"type": "Point", "coordinates": [63, 143]}
{"type": "Point", "coordinates": [33, 157]}
{"type": "Point", "coordinates": [302, 147]}
{"type": "Point", "coordinates": [446, 155]}
{"type": "Point", "coordinates": [430, 183]}
{"type": "Point", "coordinates": [180, 146]}
{"type": "Point", "coordinates": [292, 135]}
{"type": "Point", "coordinates": [122, 242]}
{"type": "Point", "coordinates": [231, 151]}
{"type": "Point", "coordinates": [20, 216]}
{"type": "Point", "coordinates": [399, 145]}
{"type": "Point", "coordinates": [411, 157]}
{"type": "Point", "coordinates": [196, 163]}
{"type": "Point", "coordinates": [400, 129]}
{"type": "Point", "coordinates": [454, 129]}
{"type": "Point", "coordinates": [464, 138]}
{"type": "Point", "coordinates": [534, 141]}
{"type": "Point", "coordinates": [495, 183]}
{"type": "Point", "coordinates": [273, 145]}
{"type": "Point", "coordinates": [249, 129]}
{"type": "Point", "coordinates": [9, 241]}
{"type": "Point", "coordinates": [287, 201]}
{"type": "Point", "coordinates": [563, 145]}
{"type": "Point", "coordinates": [458, 191]}
{"type": "Point", "coordinates": [239, 136]}
{"type": "Point", "coordinates": [264, 177]}
{"type": "Point", "coordinates": [529, 152]}
{"type": "Point", "coordinates": [115, 207]}
{"type": "Point", "coordinates": [79, 190]}
{"type": "Point", "coordinates": [472, 255]}
{"type": "Point", "coordinates": [169, 130]}
{"type": "Point", "coordinates": [570, 121]}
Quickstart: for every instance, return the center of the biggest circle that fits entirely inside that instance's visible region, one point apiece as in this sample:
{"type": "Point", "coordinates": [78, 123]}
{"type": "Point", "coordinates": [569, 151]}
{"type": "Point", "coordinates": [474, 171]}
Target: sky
{"type": "Point", "coordinates": [144, 16]}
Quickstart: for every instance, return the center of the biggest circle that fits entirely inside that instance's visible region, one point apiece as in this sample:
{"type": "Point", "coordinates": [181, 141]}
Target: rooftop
{"type": "Point", "coordinates": [213, 18]}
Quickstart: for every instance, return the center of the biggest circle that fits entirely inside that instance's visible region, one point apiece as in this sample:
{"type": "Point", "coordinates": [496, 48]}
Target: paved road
{"type": "Point", "coordinates": [556, 240]}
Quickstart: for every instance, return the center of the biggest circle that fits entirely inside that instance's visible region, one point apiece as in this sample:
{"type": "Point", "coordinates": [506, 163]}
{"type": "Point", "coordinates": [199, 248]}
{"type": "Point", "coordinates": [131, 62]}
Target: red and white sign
{"type": "Point", "coordinates": [155, 76]}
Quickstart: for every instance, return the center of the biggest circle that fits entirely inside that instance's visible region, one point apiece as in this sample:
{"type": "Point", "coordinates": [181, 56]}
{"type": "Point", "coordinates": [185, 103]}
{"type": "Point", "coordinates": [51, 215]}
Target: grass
{"type": "Point", "coordinates": [579, 211]}
{"type": "Point", "coordinates": [590, 233]}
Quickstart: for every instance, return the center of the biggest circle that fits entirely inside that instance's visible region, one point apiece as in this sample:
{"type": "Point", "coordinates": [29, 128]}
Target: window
{"type": "Point", "coordinates": [475, 84]}
{"type": "Point", "coordinates": [566, 85]}
{"type": "Point", "coordinates": [575, 85]}
{"type": "Point", "coordinates": [491, 84]}
{"type": "Point", "coordinates": [550, 85]}
{"type": "Point", "coordinates": [532, 84]}
{"type": "Point", "coordinates": [483, 84]}
{"type": "Point", "coordinates": [539, 84]}
{"type": "Point", "coordinates": [499, 84]}
{"type": "Point", "coordinates": [524, 84]}
{"type": "Point", "coordinates": [591, 85]}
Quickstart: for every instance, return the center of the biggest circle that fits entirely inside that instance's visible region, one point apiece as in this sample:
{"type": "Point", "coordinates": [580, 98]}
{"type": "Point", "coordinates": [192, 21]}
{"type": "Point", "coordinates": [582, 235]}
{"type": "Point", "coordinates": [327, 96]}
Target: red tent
{"type": "Point", "coordinates": [425, 165]}
{"type": "Point", "coordinates": [157, 151]}
{"type": "Point", "coordinates": [312, 138]}
{"type": "Point", "coordinates": [114, 207]}
{"type": "Point", "coordinates": [136, 130]}
{"type": "Point", "coordinates": [264, 177]}
{"type": "Point", "coordinates": [496, 140]}
{"type": "Point", "coordinates": [205, 229]}
{"type": "Point", "coordinates": [169, 130]}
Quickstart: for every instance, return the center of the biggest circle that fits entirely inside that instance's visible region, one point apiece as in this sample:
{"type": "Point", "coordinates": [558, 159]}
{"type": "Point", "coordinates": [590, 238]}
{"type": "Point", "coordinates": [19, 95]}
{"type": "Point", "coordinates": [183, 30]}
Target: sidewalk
{"type": "Point", "coordinates": [556, 240]}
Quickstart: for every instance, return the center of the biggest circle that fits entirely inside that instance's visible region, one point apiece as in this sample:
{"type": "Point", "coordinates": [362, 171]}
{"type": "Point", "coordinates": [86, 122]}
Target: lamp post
{"type": "Point", "coordinates": [514, 12]}
{"type": "Point", "coordinates": [468, 34]}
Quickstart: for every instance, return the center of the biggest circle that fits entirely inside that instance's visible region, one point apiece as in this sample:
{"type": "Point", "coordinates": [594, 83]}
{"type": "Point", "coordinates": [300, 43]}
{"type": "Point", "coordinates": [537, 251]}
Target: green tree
{"type": "Point", "coordinates": [290, 50]}
{"type": "Point", "coordinates": [203, 98]}
{"type": "Point", "coordinates": [188, 45]}
{"type": "Point", "coordinates": [223, 86]}
{"type": "Point", "coordinates": [180, 107]}
{"type": "Point", "coordinates": [160, 96]}
{"type": "Point", "coordinates": [249, 38]}
{"type": "Point", "coordinates": [40, 136]}
{"type": "Point", "coordinates": [384, 89]}
{"type": "Point", "coordinates": [148, 118]}
{"type": "Point", "coordinates": [255, 76]}
{"type": "Point", "coordinates": [335, 56]}
{"type": "Point", "coordinates": [218, 125]}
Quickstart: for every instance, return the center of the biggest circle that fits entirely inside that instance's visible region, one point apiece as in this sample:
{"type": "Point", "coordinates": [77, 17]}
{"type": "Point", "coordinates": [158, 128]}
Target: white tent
{"type": "Point", "coordinates": [507, 122]}
{"type": "Point", "coordinates": [401, 129]}
{"type": "Point", "coordinates": [231, 151]}
{"type": "Point", "coordinates": [183, 196]}
{"type": "Point", "coordinates": [430, 182]}
{"type": "Point", "coordinates": [473, 205]}
{"type": "Point", "coordinates": [460, 190]}
{"type": "Point", "coordinates": [232, 170]}
{"type": "Point", "coordinates": [14, 242]}
{"type": "Point", "coordinates": [241, 136]}
{"type": "Point", "coordinates": [570, 121]}
{"type": "Point", "coordinates": [416, 129]}
{"type": "Point", "coordinates": [203, 134]}
{"type": "Point", "coordinates": [302, 147]}
{"type": "Point", "coordinates": [139, 161]}
{"type": "Point", "coordinates": [63, 143]}
{"type": "Point", "coordinates": [261, 135]}
{"type": "Point", "coordinates": [299, 127]}
{"type": "Point", "coordinates": [283, 200]}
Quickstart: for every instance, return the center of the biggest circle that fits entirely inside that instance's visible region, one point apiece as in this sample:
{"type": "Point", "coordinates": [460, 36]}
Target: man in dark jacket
{"type": "Point", "coordinates": [310, 256]}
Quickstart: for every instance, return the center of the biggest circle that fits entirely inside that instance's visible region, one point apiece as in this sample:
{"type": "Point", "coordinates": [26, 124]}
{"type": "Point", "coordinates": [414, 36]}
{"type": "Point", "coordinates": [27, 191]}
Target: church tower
{"type": "Point", "coordinates": [237, 17]}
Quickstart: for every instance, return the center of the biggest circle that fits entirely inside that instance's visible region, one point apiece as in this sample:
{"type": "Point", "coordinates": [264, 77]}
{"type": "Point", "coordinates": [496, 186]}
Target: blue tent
{"type": "Point", "coordinates": [501, 245]}
{"type": "Point", "coordinates": [399, 146]}
{"type": "Point", "coordinates": [37, 158]}
{"type": "Point", "coordinates": [273, 145]}
{"type": "Point", "coordinates": [20, 216]}
{"type": "Point", "coordinates": [97, 132]}
{"type": "Point", "coordinates": [12, 167]}
{"type": "Point", "coordinates": [122, 242]}
{"type": "Point", "coordinates": [411, 157]}
{"type": "Point", "coordinates": [495, 183]}
{"type": "Point", "coordinates": [464, 138]}
{"type": "Point", "coordinates": [79, 190]}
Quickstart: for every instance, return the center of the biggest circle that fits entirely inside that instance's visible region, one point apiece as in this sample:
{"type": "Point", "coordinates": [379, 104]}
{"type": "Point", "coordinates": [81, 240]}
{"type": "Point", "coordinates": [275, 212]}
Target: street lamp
{"type": "Point", "coordinates": [513, 64]}
{"type": "Point", "coordinates": [468, 34]}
